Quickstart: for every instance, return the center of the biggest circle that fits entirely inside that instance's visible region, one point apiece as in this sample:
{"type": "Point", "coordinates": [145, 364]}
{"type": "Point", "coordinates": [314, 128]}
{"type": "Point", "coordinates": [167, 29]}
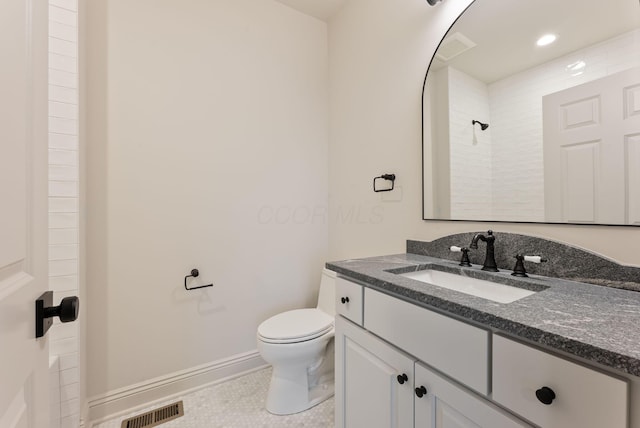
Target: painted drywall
{"type": "Point", "coordinates": [207, 148]}
{"type": "Point", "coordinates": [379, 51]}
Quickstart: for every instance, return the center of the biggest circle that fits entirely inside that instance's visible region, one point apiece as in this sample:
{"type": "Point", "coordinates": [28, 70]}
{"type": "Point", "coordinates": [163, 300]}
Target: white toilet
{"type": "Point", "coordinates": [299, 346]}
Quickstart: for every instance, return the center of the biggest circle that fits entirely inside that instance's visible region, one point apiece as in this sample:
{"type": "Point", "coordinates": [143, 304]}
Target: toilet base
{"type": "Point", "coordinates": [300, 382]}
{"type": "Point", "coordinates": [288, 394]}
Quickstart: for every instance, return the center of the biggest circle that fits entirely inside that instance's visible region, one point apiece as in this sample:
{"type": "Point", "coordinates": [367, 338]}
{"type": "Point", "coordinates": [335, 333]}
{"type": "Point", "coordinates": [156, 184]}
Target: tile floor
{"type": "Point", "coordinates": [238, 403]}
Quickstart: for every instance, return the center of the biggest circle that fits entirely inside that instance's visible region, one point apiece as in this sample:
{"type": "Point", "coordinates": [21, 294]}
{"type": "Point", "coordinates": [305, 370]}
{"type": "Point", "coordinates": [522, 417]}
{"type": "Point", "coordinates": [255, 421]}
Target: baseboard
{"type": "Point", "coordinates": [137, 396]}
{"type": "Point", "coordinates": [84, 415]}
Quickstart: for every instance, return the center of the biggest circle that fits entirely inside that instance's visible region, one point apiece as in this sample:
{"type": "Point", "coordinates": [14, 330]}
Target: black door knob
{"type": "Point", "coordinates": [67, 311]}
{"type": "Point", "coordinates": [344, 300]}
{"type": "Point", "coordinates": [402, 378]}
{"type": "Point", "coordinates": [421, 391]}
{"type": "Point", "coordinates": [545, 395]}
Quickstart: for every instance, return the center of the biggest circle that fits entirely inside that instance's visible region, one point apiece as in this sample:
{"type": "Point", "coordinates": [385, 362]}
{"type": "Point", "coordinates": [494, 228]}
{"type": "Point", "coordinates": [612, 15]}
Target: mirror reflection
{"type": "Point", "coordinates": [531, 113]}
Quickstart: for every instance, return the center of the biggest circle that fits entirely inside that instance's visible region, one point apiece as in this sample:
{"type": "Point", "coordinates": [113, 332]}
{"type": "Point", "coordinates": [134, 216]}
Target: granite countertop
{"type": "Point", "coordinates": [593, 322]}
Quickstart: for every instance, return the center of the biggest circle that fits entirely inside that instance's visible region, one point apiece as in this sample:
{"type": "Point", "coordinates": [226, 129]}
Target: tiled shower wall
{"type": "Point", "coordinates": [63, 202]}
{"type": "Point", "coordinates": [470, 149]}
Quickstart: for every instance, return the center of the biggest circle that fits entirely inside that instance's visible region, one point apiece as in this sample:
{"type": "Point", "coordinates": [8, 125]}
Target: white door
{"type": "Point", "coordinates": [445, 405]}
{"type": "Point", "coordinates": [23, 212]}
{"type": "Point", "coordinates": [374, 381]}
{"type": "Point", "coordinates": [592, 151]}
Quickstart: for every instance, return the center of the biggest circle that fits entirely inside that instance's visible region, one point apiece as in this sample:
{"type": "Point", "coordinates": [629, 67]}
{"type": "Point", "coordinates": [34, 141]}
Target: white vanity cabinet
{"type": "Point", "coordinates": [379, 385]}
{"type": "Point", "coordinates": [399, 365]}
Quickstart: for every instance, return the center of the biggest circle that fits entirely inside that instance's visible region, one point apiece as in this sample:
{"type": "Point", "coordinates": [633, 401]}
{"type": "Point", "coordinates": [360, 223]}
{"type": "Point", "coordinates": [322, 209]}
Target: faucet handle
{"type": "Point", "coordinates": [464, 260]}
{"type": "Point", "coordinates": [534, 259]}
{"type": "Point", "coordinates": [519, 270]}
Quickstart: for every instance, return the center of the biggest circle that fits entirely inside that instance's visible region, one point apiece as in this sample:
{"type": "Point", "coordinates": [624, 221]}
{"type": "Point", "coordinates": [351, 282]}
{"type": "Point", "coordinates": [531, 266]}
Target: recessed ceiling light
{"type": "Point", "coordinates": [546, 40]}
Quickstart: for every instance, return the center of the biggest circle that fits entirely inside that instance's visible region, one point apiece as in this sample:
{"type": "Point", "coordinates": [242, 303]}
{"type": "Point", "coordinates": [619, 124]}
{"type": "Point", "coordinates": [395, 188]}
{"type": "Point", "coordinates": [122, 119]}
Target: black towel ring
{"type": "Point", "coordinates": [390, 177]}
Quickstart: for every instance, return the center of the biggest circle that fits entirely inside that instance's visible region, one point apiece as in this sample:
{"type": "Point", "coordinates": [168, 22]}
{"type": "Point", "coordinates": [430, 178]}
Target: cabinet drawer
{"type": "Point", "coordinates": [453, 347]}
{"type": "Point", "coordinates": [584, 398]}
{"type": "Point", "coordinates": [349, 300]}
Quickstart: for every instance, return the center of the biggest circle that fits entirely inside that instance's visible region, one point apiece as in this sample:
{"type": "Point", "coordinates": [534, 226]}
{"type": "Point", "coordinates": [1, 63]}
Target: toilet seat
{"type": "Point", "coordinates": [294, 326]}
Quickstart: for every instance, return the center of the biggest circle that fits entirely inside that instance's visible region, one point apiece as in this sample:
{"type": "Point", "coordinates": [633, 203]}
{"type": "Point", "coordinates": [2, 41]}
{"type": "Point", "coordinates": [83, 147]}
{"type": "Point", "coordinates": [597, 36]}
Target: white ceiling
{"type": "Point", "coordinates": [505, 32]}
{"type": "Point", "coordinates": [321, 9]}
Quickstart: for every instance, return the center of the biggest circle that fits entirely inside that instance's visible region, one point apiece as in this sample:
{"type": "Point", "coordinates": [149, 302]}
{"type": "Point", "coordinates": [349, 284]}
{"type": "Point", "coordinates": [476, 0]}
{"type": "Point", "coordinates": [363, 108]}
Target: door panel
{"type": "Point", "coordinates": [589, 134]}
{"type": "Point", "coordinates": [23, 217]}
{"type": "Point", "coordinates": [448, 417]}
{"type": "Point", "coordinates": [446, 405]}
{"type": "Point", "coordinates": [368, 393]}
{"type": "Point", "coordinates": [632, 149]}
{"type": "Point", "coordinates": [581, 174]}
{"type": "Point", "coordinates": [366, 372]}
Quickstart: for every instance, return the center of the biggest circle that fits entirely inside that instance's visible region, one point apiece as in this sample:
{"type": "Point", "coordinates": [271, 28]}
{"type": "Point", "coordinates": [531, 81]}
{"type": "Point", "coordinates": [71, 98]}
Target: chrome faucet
{"type": "Point", "coordinates": [490, 259]}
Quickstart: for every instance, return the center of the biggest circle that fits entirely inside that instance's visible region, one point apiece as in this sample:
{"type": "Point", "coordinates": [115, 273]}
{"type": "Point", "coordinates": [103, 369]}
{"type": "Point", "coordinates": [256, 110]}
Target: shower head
{"type": "Point", "coordinates": [483, 126]}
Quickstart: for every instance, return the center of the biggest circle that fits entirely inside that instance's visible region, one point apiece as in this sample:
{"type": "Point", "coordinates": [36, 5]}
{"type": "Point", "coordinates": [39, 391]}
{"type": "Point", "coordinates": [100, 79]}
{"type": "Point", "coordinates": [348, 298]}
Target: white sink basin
{"type": "Point", "coordinates": [476, 287]}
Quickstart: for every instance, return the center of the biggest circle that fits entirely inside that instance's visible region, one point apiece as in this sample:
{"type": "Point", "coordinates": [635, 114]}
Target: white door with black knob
{"type": "Point", "coordinates": [23, 212]}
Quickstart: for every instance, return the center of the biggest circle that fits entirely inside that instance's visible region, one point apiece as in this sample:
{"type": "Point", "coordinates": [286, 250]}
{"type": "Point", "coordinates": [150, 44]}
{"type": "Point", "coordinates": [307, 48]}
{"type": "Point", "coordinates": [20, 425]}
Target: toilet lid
{"type": "Point", "coordinates": [296, 325]}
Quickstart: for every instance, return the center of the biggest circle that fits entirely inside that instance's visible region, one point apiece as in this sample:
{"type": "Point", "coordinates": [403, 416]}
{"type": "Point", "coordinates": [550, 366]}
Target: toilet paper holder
{"type": "Point", "coordinates": [194, 274]}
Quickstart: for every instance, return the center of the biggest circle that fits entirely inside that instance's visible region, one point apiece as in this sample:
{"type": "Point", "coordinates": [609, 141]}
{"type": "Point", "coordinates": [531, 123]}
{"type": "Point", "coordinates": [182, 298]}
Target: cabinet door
{"type": "Point", "coordinates": [374, 381]}
{"type": "Point", "coordinates": [446, 405]}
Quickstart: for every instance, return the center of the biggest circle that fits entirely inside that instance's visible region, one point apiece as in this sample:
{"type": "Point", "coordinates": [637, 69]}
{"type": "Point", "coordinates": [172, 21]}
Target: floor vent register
{"type": "Point", "coordinates": [155, 417]}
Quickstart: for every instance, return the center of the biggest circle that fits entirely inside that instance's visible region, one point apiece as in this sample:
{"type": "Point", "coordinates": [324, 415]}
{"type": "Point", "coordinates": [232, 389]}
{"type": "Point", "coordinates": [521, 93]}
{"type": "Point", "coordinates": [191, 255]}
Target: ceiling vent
{"type": "Point", "coordinates": [453, 46]}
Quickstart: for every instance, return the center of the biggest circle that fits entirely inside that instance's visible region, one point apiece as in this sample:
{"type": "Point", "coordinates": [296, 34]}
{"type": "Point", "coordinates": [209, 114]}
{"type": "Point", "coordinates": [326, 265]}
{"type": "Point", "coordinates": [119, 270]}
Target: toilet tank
{"type": "Point", "coordinates": [327, 293]}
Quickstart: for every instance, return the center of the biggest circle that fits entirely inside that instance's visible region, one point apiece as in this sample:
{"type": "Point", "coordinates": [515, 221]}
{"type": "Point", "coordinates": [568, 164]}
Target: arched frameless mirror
{"type": "Point", "coordinates": [517, 132]}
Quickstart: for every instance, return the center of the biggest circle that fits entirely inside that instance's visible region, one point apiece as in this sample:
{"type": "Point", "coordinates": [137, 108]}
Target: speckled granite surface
{"type": "Point", "coordinates": [563, 261]}
{"type": "Point", "coordinates": [599, 324]}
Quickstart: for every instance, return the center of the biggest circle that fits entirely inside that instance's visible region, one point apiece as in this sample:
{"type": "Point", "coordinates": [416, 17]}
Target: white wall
{"type": "Point", "coordinates": [206, 148]}
{"type": "Point", "coordinates": [379, 52]}
{"type": "Point", "coordinates": [63, 203]}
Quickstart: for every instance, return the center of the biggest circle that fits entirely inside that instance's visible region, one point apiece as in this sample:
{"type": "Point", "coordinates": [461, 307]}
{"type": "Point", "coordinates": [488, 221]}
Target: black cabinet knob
{"type": "Point", "coordinates": [344, 300]}
{"type": "Point", "coordinates": [421, 391]}
{"type": "Point", "coordinates": [545, 395]}
{"type": "Point", "coordinates": [402, 378]}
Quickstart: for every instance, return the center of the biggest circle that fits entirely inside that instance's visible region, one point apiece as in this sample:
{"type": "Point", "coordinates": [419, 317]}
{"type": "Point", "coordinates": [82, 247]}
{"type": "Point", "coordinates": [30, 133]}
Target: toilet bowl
{"type": "Point", "coordinates": [299, 346]}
